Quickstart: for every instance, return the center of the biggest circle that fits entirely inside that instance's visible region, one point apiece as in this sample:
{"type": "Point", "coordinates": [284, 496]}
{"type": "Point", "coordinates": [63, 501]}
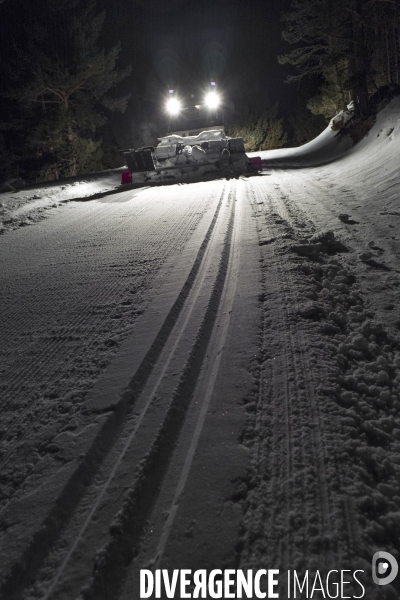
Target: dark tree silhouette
{"type": "Point", "coordinates": [256, 120]}
{"type": "Point", "coordinates": [58, 92]}
{"type": "Point", "coordinates": [347, 42]}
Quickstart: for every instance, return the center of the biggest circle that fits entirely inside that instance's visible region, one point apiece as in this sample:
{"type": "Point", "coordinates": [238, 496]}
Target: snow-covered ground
{"type": "Point", "coordinates": [22, 208]}
{"type": "Point", "coordinates": [203, 375]}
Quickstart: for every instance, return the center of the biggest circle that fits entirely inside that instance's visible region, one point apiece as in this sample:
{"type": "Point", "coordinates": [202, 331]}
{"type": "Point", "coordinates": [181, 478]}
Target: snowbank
{"type": "Point", "coordinates": [28, 206]}
{"type": "Point", "coordinates": [328, 146]}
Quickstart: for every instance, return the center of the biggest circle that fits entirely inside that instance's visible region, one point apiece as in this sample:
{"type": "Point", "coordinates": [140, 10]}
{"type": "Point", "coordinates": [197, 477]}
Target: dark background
{"type": "Point", "coordinates": [60, 120]}
{"type": "Point", "coordinates": [178, 44]}
{"type": "Point", "coordinates": [183, 44]}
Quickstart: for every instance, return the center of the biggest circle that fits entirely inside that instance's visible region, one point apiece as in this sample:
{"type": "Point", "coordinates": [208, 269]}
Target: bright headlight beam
{"type": "Point", "coordinates": [173, 106]}
{"type": "Point", "coordinates": [212, 100]}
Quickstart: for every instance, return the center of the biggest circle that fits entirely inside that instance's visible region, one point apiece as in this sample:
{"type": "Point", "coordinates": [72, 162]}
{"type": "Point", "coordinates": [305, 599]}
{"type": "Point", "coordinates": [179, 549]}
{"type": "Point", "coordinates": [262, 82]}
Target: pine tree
{"type": "Point", "coordinates": [60, 82]}
{"type": "Point", "coordinates": [333, 96]}
{"type": "Point", "coordinates": [346, 35]}
{"type": "Point", "coordinates": [257, 122]}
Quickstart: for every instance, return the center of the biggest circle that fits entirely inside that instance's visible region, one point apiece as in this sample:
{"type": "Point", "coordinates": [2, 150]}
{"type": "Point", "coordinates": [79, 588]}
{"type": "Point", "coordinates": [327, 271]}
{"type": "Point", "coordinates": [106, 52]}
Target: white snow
{"type": "Point", "coordinates": [81, 292]}
{"type": "Point", "coordinates": [25, 207]}
{"type": "Point", "coordinates": [192, 140]}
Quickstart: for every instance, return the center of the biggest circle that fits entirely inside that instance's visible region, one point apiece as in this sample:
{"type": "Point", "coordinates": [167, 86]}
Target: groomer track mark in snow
{"type": "Point", "coordinates": [85, 318]}
{"type": "Point", "coordinates": [63, 354]}
{"type": "Point", "coordinates": [328, 397]}
{"type": "Point", "coordinates": [150, 426]}
{"type": "Point", "coordinates": [160, 424]}
{"type": "Point", "coordinates": [286, 405]}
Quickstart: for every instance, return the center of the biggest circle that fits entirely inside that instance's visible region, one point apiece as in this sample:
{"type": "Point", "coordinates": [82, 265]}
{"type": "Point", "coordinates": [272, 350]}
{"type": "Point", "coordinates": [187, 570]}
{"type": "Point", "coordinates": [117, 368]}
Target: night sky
{"type": "Point", "coordinates": [181, 43]}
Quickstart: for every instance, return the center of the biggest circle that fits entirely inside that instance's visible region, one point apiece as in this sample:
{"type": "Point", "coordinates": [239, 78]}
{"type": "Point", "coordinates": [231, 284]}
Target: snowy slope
{"type": "Point", "coordinates": [243, 336]}
{"type": "Point", "coordinates": [329, 145]}
{"type": "Point", "coordinates": [326, 147]}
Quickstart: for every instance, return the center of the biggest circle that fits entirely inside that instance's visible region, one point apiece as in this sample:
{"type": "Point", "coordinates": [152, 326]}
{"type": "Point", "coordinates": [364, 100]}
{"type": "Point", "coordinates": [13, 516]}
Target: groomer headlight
{"type": "Point", "coordinates": [212, 100]}
{"type": "Point", "coordinates": [173, 106]}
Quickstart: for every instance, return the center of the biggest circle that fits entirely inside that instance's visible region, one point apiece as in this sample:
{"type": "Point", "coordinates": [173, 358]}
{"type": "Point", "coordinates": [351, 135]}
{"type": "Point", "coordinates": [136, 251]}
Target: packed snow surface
{"type": "Point", "coordinates": [203, 375]}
